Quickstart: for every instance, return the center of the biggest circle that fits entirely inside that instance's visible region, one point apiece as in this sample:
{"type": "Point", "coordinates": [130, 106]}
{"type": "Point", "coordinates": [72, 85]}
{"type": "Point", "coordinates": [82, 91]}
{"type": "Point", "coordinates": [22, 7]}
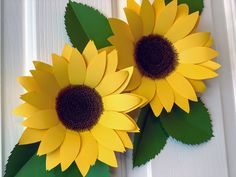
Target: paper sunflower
{"type": "Point", "coordinates": [169, 57]}
{"type": "Point", "coordinates": [75, 108]}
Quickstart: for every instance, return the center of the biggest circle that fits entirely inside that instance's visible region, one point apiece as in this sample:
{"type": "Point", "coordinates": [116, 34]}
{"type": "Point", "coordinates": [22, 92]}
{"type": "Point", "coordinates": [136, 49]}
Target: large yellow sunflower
{"type": "Point", "coordinates": [76, 110]}
{"type": "Point", "coordinates": [169, 57]}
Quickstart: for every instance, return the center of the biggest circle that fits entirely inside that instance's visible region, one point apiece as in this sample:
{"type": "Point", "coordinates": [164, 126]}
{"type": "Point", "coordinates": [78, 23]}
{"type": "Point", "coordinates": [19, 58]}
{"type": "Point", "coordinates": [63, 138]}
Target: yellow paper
{"type": "Point", "coordinates": [165, 94]}
{"type": "Point", "coordinates": [67, 50]}
{"type": "Point", "coordinates": [25, 110]}
{"type": "Point", "coordinates": [182, 102]}
{"type": "Point", "coordinates": [107, 156]}
{"type": "Point", "coordinates": [198, 86]}
{"type": "Point", "coordinates": [107, 137]}
{"type": "Point", "coordinates": [111, 82]}
{"type": "Point", "coordinates": [95, 70]}
{"type": "Point", "coordinates": [156, 105]}
{"type": "Point", "coordinates": [148, 17]}
{"type": "Point", "coordinates": [52, 139]}
{"type": "Point", "coordinates": [182, 27]}
{"type": "Point", "coordinates": [116, 120]}
{"type": "Point", "coordinates": [195, 72]}
{"type": "Point", "coordinates": [211, 65]}
{"type": "Point", "coordinates": [42, 66]}
{"type": "Point", "coordinates": [90, 52]}
{"type": "Point", "coordinates": [158, 6]}
{"type": "Point", "coordinates": [69, 149]}
{"type": "Point", "coordinates": [210, 42]}
{"type": "Point", "coordinates": [181, 86]}
{"type": "Point", "coordinates": [28, 83]}
{"type": "Point", "coordinates": [125, 139]}
{"type": "Point", "coordinates": [182, 11]}
{"type": "Point", "coordinates": [135, 80]}
{"type": "Point", "coordinates": [112, 62]}
{"type": "Point", "coordinates": [132, 5]}
{"type": "Point", "coordinates": [197, 55]}
{"type": "Point", "coordinates": [53, 159]}
{"type": "Point", "coordinates": [60, 70]}
{"type": "Point", "coordinates": [42, 119]}
{"type": "Point", "coordinates": [166, 18]}
{"type": "Point", "coordinates": [30, 136]}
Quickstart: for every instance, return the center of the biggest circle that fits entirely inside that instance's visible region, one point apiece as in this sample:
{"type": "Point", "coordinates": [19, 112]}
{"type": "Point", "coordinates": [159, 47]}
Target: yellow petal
{"type": "Point", "coordinates": [166, 18]}
{"type": "Point", "coordinates": [120, 28]}
{"type": "Point", "coordinates": [125, 139]}
{"type": "Point", "coordinates": [132, 5]}
{"type": "Point", "coordinates": [182, 102]}
{"type": "Point", "coordinates": [42, 66]}
{"type": "Point", "coordinates": [191, 41]}
{"type": "Point", "coordinates": [112, 62]}
{"type": "Point", "coordinates": [156, 105]}
{"type": "Point", "coordinates": [158, 6]}
{"type": "Point", "coordinates": [198, 86]}
{"type": "Point", "coordinates": [76, 68]}
{"type": "Point", "coordinates": [195, 72]}
{"type": "Point", "coordinates": [135, 23]}
{"type": "Point", "coordinates": [42, 119]}
{"type": "Point", "coordinates": [147, 16]}
{"type": "Point", "coordinates": [53, 159]}
{"type": "Point", "coordinates": [111, 82]}
{"type": "Point", "coordinates": [197, 55]}
{"type": "Point", "coordinates": [47, 82]}
{"type": "Point", "coordinates": [209, 43]}
{"type": "Point", "coordinates": [107, 49]}
{"type": "Point", "coordinates": [182, 11]}
{"type": "Point", "coordinates": [125, 50]}
{"type": "Point", "coordinates": [116, 120]}
{"type": "Point", "coordinates": [60, 70]}
{"type": "Point", "coordinates": [66, 52]}
{"type": "Point", "coordinates": [120, 102]}
{"type": "Point", "coordinates": [135, 80]}
{"type": "Point", "coordinates": [69, 149]}
{"type": "Point", "coordinates": [95, 70]}
{"type": "Point", "coordinates": [88, 152]}
{"type": "Point", "coordinates": [211, 65]}
{"type": "Point", "coordinates": [30, 136]}
{"type": "Point", "coordinates": [181, 86]}
{"type": "Point", "coordinates": [182, 27]}
{"type": "Point", "coordinates": [90, 52]}
{"type": "Point", "coordinates": [52, 139]}
{"type": "Point", "coordinates": [25, 110]}
{"type": "Point", "coordinates": [107, 156]}
{"type": "Point", "coordinates": [142, 102]}
{"type": "Point", "coordinates": [165, 94]}
{"type": "Point", "coordinates": [146, 89]}
{"type": "Point", "coordinates": [38, 100]}
{"type": "Point", "coordinates": [28, 83]}
{"type": "Point", "coordinates": [107, 137]}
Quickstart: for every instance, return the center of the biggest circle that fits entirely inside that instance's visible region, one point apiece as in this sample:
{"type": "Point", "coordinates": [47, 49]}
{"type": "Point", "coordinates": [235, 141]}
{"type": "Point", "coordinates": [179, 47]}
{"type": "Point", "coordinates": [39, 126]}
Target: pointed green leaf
{"type": "Point", "coordinates": [194, 5]}
{"type": "Point", "coordinates": [84, 23]}
{"type": "Point", "coordinates": [20, 155]}
{"type": "Point", "coordinates": [151, 139]}
{"type": "Point", "coordinates": [190, 128]}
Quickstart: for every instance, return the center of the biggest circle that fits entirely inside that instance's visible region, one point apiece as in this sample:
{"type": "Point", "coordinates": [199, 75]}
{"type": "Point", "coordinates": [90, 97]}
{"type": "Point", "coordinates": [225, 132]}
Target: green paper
{"type": "Point", "coordinates": [151, 139]}
{"type": "Point", "coordinates": [84, 23]}
{"type": "Point", "coordinates": [189, 128]}
{"type": "Point", "coordinates": [194, 5]}
{"type": "Point", "coordinates": [20, 155]}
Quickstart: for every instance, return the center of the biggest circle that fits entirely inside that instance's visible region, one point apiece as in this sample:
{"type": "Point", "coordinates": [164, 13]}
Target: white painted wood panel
{"type": "Point", "coordinates": [33, 29]}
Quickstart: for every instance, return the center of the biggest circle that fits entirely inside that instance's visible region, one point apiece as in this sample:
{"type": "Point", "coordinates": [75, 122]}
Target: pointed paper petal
{"type": "Point", "coordinates": [182, 102]}
{"type": "Point", "coordinates": [209, 43]}
{"type": "Point", "coordinates": [76, 68]}
{"type": "Point", "coordinates": [165, 94]}
{"type": "Point", "coordinates": [69, 149]}
{"type": "Point", "coordinates": [95, 70]}
{"type": "Point", "coordinates": [191, 41]}
{"type": "Point", "coordinates": [107, 137]}
{"type": "Point", "coordinates": [195, 72]}
{"type": "Point", "coordinates": [66, 52]}
{"type": "Point", "coordinates": [156, 105]}
{"type": "Point", "coordinates": [132, 5]}
{"type": "Point", "coordinates": [107, 156]}
{"type": "Point", "coordinates": [60, 70]}
{"type": "Point", "coordinates": [211, 65]}
{"type": "Point", "coordinates": [28, 83]}
{"type": "Point", "coordinates": [166, 18]}
{"type": "Point", "coordinates": [53, 159]}
{"type": "Point", "coordinates": [158, 6]}
{"type": "Point", "coordinates": [197, 55]}
{"type": "Point", "coordinates": [181, 86]}
{"type": "Point", "coordinates": [30, 136]}
{"type": "Point", "coordinates": [25, 110]}
{"type": "Point", "coordinates": [52, 139]}
{"type": "Point", "coordinates": [112, 62]}
{"type": "Point", "coordinates": [182, 27]}
{"type": "Point", "coordinates": [42, 119]}
{"type": "Point", "coordinates": [198, 86]}
{"type": "Point", "coordinates": [42, 66]}
{"type": "Point", "coordinates": [125, 139]}
{"type": "Point", "coordinates": [135, 80]}
{"type": "Point", "coordinates": [182, 11]}
{"type": "Point", "coordinates": [90, 52]}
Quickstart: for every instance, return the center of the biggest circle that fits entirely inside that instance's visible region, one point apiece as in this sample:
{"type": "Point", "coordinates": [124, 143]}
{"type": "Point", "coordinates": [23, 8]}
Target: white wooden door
{"type": "Point", "coordinates": [33, 29]}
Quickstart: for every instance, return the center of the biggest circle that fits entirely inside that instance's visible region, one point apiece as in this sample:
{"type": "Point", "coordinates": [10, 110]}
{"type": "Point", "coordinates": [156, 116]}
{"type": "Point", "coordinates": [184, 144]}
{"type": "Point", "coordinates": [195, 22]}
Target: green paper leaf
{"type": "Point", "coordinates": [20, 155]}
{"type": "Point", "coordinates": [194, 5]}
{"type": "Point", "coordinates": [151, 139]}
{"type": "Point", "coordinates": [84, 23]}
{"type": "Point", "coordinates": [189, 128]}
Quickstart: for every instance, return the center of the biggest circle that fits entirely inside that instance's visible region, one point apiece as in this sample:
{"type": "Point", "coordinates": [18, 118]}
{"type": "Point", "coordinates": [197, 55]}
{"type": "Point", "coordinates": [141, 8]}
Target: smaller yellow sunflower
{"type": "Point", "coordinates": [170, 59]}
{"type": "Point", "coordinates": [76, 110]}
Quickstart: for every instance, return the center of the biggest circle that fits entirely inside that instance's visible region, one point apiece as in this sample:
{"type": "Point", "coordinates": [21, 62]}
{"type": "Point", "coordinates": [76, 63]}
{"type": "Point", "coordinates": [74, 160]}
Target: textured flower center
{"type": "Point", "coordinates": [155, 56]}
{"type": "Point", "coordinates": [79, 107]}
